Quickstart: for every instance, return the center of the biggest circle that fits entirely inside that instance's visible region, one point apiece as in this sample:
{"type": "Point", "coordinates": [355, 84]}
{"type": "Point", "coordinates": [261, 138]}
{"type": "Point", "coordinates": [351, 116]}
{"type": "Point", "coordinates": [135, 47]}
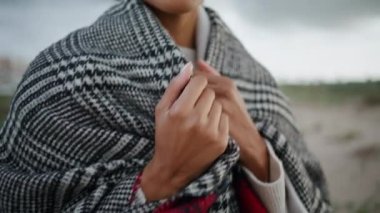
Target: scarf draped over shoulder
{"type": "Point", "coordinates": [81, 125]}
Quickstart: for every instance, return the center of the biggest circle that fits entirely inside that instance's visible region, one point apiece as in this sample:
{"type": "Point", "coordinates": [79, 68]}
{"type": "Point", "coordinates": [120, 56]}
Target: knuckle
{"type": "Point", "coordinates": [217, 104]}
{"type": "Point", "coordinates": [200, 123]}
{"type": "Point", "coordinates": [213, 135]}
{"type": "Point", "coordinates": [223, 139]}
{"type": "Point", "coordinates": [185, 127]}
{"type": "Point", "coordinates": [210, 92]}
{"type": "Point", "coordinates": [158, 108]}
{"type": "Point", "coordinates": [221, 148]}
{"type": "Point", "coordinates": [194, 122]}
{"type": "Point", "coordinates": [176, 113]}
{"type": "Point", "coordinates": [203, 122]}
{"type": "Point", "coordinates": [230, 84]}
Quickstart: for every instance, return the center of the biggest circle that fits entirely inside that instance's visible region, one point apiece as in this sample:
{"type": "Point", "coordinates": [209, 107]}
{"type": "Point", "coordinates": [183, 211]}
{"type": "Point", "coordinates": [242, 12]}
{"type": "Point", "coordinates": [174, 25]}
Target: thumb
{"type": "Point", "coordinates": [176, 85]}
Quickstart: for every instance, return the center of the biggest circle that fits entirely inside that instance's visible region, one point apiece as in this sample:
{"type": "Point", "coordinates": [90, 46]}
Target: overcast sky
{"type": "Point", "coordinates": [309, 40]}
{"type": "Point", "coordinates": [298, 40]}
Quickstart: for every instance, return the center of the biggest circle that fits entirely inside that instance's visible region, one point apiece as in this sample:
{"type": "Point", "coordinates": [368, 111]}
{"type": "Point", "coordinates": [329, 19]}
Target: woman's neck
{"type": "Point", "coordinates": [181, 27]}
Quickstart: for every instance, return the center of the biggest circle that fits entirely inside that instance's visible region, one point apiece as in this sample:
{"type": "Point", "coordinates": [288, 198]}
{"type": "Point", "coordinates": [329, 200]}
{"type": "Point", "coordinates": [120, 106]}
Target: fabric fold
{"type": "Point", "coordinates": [81, 124]}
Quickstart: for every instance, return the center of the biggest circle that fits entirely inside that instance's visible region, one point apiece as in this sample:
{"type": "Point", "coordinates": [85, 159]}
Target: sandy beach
{"type": "Point", "coordinates": [346, 139]}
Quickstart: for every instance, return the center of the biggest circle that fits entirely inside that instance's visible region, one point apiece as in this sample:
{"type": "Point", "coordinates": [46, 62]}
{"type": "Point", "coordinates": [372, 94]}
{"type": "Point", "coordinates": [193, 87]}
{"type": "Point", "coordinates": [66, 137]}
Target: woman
{"type": "Point", "coordinates": [113, 118]}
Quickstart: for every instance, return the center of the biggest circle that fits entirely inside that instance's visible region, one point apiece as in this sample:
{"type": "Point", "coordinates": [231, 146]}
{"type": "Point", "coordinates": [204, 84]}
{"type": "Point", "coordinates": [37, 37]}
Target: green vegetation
{"type": "Point", "coordinates": [369, 205]}
{"type": "Point", "coordinates": [348, 136]}
{"type": "Point", "coordinates": [366, 93]}
{"type": "Point", "coordinates": [4, 107]}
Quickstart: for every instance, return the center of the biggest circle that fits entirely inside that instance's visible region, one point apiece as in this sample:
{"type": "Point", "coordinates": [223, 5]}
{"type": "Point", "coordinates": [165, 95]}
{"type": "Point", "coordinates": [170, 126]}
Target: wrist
{"type": "Point", "coordinates": [257, 161]}
{"type": "Point", "coordinates": [250, 142]}
{"type": "Point", "coordinates": [254, 156]}
{"type": "Point", "coordinates": [157, 183]}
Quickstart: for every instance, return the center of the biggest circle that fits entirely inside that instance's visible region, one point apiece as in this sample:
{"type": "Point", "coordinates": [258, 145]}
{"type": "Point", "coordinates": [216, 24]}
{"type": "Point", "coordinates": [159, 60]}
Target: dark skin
{"type": "Point", "coordinates": [215, 103]}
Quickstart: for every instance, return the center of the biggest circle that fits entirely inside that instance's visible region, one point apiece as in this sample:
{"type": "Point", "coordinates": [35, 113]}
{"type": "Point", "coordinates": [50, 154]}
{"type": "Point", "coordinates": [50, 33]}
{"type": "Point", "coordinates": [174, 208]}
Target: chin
{"type": "Point", "coordinates": [174, 6]}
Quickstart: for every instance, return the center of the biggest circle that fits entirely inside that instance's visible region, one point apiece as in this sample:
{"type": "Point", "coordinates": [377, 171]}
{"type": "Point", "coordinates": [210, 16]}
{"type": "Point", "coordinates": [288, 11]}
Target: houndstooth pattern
{"type": "Point", "coordinates": [81, 124]}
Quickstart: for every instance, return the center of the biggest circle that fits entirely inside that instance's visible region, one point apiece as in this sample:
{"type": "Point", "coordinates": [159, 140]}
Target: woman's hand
{"type": "Point", "coordinates": [191, 132]}
{"type": "Point", "coordinates": [253, 150]}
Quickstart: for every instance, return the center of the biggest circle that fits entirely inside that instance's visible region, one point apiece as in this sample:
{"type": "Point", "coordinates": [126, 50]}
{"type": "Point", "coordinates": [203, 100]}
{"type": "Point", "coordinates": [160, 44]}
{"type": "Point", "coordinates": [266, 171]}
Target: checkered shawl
{"type": "Point", "coordinates": [81, 124]}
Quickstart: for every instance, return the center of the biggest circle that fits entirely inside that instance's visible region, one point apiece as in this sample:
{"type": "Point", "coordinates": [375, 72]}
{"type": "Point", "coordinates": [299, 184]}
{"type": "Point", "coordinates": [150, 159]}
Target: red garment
{"type": "Point", "coordinates": [201, 205]}
{"type": "Point", "coordinates": [248, 200]}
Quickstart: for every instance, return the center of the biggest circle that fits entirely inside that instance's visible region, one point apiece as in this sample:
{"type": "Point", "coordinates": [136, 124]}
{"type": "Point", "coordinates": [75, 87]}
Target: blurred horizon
{"type": "Point", "coordinates": [300, 46]}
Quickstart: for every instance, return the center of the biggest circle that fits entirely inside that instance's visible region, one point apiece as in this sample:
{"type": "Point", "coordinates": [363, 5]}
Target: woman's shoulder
{"type": "Point", "coordinates": [109, 34]}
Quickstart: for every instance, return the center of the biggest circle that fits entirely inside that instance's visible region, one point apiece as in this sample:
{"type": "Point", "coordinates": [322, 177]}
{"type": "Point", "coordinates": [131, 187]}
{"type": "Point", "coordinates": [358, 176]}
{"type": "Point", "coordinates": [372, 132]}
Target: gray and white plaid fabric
{"type": "Point", "coordinates": [81, 124]}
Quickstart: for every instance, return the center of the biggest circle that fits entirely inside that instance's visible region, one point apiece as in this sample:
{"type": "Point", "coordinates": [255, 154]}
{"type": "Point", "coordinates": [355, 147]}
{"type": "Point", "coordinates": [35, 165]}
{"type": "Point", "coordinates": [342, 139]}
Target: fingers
{"type": "Point", "coordinates": [205, 102]}
{"type": "Point", "coordinates": [205, 67]}
{"type": "Point", "coordinates": [176, 86]}
{"type": "Point", "coordinates": [213, 76]}
{"type": "Point", "coordinates": [224, 127]}
{"type": "Point", "coordinates": [218, 89]}
{"type": "Point", "coordinates": [191, 93]}
{"type": "Point", "coordinates": [214, 115]}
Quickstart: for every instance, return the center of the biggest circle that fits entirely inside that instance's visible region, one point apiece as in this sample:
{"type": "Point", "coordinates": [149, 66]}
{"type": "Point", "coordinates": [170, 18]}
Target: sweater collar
{"type": "Point", "coordinates": [202, 33]}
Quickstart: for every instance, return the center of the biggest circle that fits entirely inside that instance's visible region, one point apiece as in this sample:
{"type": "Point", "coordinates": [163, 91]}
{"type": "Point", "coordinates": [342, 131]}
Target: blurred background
{"type": "Point", "coordinates": [325, 55]}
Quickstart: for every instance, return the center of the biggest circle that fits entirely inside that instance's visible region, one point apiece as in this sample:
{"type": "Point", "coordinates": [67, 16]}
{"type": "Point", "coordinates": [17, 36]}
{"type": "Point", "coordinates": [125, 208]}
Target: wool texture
{"type": "Point", "coordinates": [81, 125]}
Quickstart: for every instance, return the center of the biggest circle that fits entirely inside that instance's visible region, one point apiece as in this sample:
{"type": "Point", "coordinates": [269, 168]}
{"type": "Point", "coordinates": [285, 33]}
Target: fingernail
{"type": "Point", "coordinates": [188, 68]}
{"type": "Point", "coordinates": [209, 68]}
